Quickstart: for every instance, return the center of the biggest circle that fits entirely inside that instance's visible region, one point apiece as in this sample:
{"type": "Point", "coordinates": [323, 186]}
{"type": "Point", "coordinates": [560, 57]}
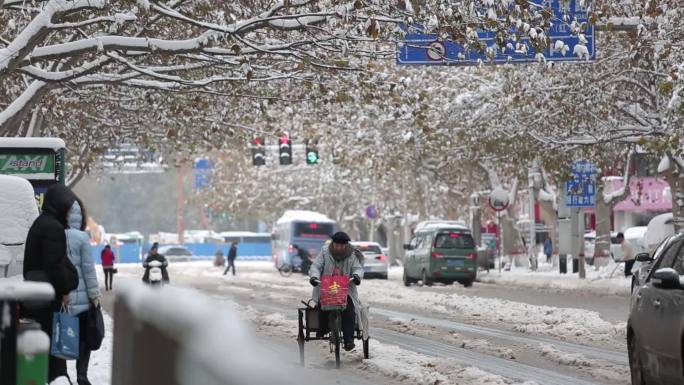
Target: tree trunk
{"type": "Point", "coordinates": [603, 215]}
{"type": "Point", "coordinates": [676, 180]}
{"type": "Point", "coordinates": [550, 217]}
{"type": "Point", "coordinates": [512, 244]}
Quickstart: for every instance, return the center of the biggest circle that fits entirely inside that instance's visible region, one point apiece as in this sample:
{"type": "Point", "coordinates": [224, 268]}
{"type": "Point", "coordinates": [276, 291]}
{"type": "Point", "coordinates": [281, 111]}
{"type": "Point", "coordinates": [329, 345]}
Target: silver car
{"type": "Point", "coordinates": [655, 329]}
{"type": "Point", "coordinates": [376, 264]}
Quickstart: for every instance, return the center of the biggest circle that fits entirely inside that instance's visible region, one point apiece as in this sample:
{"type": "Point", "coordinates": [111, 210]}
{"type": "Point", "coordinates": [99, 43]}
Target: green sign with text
{"type": "Point", "coordinates": [27, 164]}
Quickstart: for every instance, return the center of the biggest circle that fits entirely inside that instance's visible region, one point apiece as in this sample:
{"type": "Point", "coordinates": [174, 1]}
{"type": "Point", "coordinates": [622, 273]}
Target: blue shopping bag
{"type": "Point", "coordinates": [65, 340]}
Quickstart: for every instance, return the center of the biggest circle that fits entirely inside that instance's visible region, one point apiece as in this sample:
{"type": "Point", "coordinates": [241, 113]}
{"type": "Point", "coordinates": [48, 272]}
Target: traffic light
{"type": "Point", "coordinates": [311, 153]}
{"type": "Point", "coordinates": [285, 150]}
{"type": "Point", "coordinates": [258, 152]}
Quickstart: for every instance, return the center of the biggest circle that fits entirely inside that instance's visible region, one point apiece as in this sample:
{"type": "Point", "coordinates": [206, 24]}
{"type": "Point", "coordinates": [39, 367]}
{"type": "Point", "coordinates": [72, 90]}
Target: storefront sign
{"type": "Point", "coordinates": [11, 164]}
{"type": "Point", "coordinates": [645, 194]}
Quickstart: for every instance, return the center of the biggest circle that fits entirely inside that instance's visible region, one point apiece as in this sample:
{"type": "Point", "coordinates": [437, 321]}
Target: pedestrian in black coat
{"type": "Point", "coordinates": [232, 254]}
{"type": "Point", "coordinates": [45, 259]}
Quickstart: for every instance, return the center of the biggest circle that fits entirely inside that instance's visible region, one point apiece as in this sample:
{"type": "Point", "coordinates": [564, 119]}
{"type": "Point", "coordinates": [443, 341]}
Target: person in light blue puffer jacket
{"type": "Point", "coordinates": [88, 291]}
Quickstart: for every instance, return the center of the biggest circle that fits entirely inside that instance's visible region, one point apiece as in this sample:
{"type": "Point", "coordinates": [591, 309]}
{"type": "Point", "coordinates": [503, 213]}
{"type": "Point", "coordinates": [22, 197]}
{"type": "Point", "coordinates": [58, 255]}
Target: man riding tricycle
{"type": "Point", "coordinates": [336, 310]}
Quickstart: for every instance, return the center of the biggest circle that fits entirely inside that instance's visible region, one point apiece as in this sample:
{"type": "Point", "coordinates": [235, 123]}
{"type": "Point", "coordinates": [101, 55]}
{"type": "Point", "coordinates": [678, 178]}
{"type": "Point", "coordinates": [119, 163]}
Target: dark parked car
{"type": "Point", "coordinates": [644, 262]}
{"type": "Point", "coordinates": [655, 329]}
{"type": "Point", "coordinates": [176, 253]}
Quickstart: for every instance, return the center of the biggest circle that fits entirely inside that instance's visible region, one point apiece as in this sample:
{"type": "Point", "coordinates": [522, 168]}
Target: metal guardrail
{"type": "Point", "coordinates": [12, 291]}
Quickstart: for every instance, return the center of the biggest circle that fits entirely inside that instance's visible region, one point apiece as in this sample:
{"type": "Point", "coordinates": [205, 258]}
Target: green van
{"type": "Point", "coordinates": [441, 253]}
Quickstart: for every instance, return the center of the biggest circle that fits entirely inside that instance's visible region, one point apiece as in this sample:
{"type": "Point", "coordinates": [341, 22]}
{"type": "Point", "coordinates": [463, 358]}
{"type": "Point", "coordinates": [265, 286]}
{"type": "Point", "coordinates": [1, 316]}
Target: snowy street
{"type": "Point", "coordinates": [487, 334]}
{"type": "Point", "coordinates": [487, 192]}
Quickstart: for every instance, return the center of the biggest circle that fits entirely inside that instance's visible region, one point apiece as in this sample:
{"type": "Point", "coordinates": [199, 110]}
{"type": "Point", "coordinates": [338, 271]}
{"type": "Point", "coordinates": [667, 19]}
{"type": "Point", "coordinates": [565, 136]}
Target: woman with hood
{"type": "Point", "coordinates": [88, 291]}
{"type": "Point", "coordinates": [45, 259]}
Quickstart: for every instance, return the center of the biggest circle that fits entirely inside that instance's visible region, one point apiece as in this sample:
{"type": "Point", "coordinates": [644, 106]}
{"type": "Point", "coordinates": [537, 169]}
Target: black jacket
{"type": "Point", "coordinates": [46, 248]}
{"type": "Point", "coordinates": [232, 253]}
{"type": "Point", "coordinates": [156, 257]}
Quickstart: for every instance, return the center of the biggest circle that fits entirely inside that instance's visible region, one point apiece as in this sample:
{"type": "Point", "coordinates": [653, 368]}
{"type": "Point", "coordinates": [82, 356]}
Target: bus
{"type": "Point", "coordinates": [306, 229]}
{"type": "Point", "coordinates": [41, 161]}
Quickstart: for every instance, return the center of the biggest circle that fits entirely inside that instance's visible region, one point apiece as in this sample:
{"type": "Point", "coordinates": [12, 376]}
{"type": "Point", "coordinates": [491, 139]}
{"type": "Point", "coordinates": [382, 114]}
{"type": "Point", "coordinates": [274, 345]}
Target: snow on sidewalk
{"type": "Point", "coordinates": [608, 280]}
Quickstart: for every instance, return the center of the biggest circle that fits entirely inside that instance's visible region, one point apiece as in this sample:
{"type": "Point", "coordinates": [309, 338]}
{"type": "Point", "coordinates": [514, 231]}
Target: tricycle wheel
{"type": "Point", "coordinates": [335, 330]}
{"type": "Point", "coordinates": [366, 349]}
{"type": "Point", "coordinates": [301, 351]}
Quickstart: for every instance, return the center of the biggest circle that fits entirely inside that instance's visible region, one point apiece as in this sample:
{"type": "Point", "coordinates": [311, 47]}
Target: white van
{"type": "Point", "coordinates": [18, 210]}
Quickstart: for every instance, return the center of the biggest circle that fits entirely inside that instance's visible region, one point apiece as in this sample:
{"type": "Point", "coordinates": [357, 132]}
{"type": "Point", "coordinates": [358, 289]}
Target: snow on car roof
{"type": "Point", "coordinates": [635, 232]}
{"type": "Point", "coordinates": [433, 224]}
{"type": "Point", "coordinates": [659, 228]}
{"type": "Point", "coordinates": [53, 143]}
{"type": "Point", "coordinates": [19, 208]}
{"type": "Point", "coordinates": [304, 216]}
{"type": "Point", "coordinates": [365, 243]}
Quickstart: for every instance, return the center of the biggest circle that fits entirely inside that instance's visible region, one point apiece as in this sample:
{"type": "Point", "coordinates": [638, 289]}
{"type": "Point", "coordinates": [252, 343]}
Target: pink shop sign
{"type": "Point", "coordinates": [646, 194]}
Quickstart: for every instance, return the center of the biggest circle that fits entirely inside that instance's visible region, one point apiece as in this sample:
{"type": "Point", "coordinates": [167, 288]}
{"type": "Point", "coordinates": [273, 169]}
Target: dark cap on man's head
{"type": "Point", "coordinates": [341, 237]}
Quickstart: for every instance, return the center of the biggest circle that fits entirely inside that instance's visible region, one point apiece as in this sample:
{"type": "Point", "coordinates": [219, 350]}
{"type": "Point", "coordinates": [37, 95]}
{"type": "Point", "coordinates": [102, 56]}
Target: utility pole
{"type": "Point", "coordinates": [476, 218]}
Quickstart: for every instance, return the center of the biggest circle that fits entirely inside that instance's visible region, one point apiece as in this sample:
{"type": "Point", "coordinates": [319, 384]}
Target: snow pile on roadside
{"type": "Point", "coordinates": [415, 368]}
{"type": "Point", "coordinates": [563, 358]}
{"type": "Point", "coordinates": [597, 368]}
{"type": "Point", "coordinates": [484, 346]}
{"type": "Point", "coordinates": [608, 280]}
{"type": "Point", "coordinates": [270, 324]}
{"type": "Point", "coordinates": [403, 365]}
{"type": "Point", "coordinates": [474, 376]}
{"type": "Point", "coordinates": [564, 323]}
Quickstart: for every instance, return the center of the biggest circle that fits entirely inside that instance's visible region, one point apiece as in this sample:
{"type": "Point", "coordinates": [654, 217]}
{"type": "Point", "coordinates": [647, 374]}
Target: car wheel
{"type": "Point", "coordinates": [384, 276]}
{"type": "Point", "coordinates": [467, 283]}
{"type": "Point", "coordinates": [635, 367]}
{"type": "Point", "coordinates": [407, 281]}
{"type": "Point", "coordinates": [425, 280]}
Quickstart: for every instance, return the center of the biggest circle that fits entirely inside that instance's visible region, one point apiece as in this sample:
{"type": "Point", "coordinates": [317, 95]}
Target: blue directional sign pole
{"type": "Point", "coordinates": [420, 48]}
{"type": "Point", "coordinates": [580, 191]}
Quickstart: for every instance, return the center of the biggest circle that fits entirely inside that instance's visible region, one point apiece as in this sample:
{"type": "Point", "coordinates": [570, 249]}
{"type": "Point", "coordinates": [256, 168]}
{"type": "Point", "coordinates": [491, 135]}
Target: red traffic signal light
{"type": "Point", "coordinates": [285, 150]}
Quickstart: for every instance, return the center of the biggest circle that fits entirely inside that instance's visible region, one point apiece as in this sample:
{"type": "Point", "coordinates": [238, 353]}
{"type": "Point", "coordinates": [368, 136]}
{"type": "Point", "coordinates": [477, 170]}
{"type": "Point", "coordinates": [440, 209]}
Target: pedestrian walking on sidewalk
{"type": "Point", "coordinates": [627, 253]}
{"type": "Point", "coordinates": [548, 249]}
{"type": "Point", "coordinates": [107, 256]}
{"type": "Point", "coordinates": [232, 254]}
{"type": "Point", "coordinates": [87, 293]}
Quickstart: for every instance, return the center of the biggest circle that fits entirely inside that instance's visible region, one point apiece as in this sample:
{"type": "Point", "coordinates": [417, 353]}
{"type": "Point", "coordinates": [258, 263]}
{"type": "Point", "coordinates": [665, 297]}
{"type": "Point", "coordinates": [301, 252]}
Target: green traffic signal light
{"type": "Point", "coordinates": [312, 157]}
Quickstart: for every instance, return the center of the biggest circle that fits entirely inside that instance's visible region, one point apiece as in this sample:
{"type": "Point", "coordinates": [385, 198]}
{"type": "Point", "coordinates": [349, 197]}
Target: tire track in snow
{"type": "Point", "coordinates": [509, 369]}
{"type": "Point", "coordinates": [605, 354]}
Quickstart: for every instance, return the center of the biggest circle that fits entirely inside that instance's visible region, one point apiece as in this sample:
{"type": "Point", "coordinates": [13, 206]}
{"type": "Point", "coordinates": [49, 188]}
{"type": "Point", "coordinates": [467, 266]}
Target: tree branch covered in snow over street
{"type": "Point", "coordinates": [201, 76]}
{"type": "Point", "coordinates": [158, 43]}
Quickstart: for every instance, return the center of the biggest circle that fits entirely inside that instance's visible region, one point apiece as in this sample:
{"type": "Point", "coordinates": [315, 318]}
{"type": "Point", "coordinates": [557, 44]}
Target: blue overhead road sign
{"type": "Point", "coordinates": [564, 45]}
{"type": "Point", "coordinates": [581, 189]}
